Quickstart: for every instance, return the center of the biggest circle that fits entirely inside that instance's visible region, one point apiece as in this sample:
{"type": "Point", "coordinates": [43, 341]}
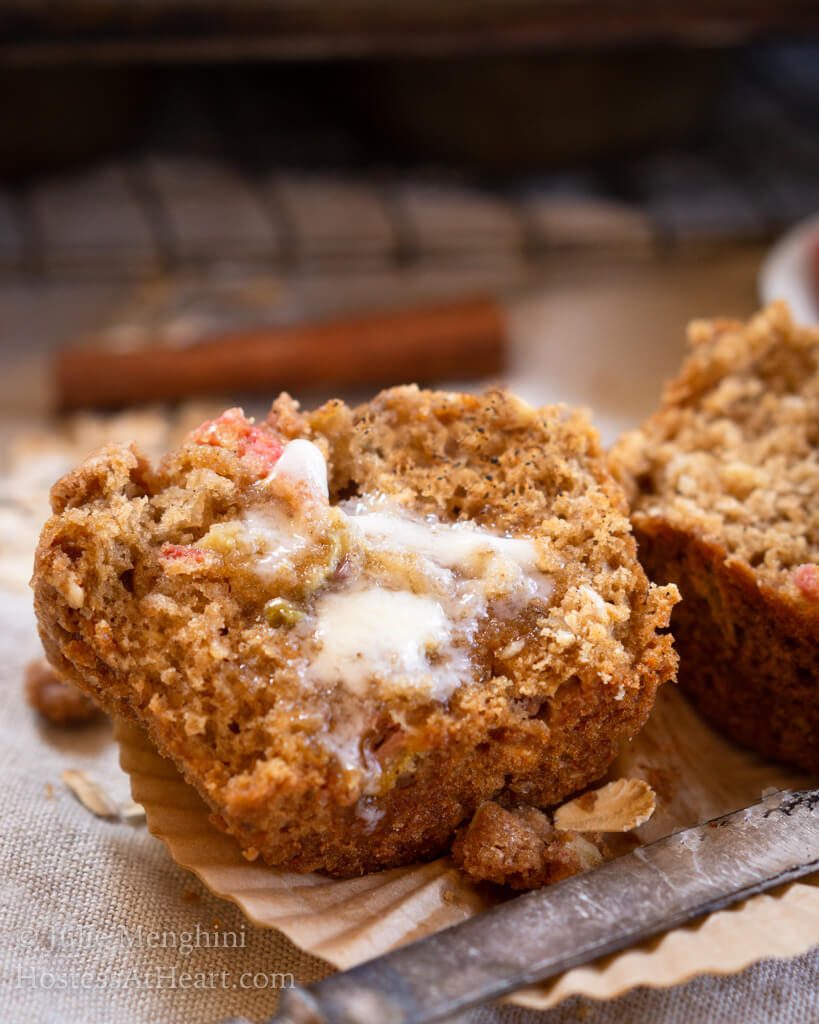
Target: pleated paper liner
{"type": "Point", "coordinates": [696, 773]}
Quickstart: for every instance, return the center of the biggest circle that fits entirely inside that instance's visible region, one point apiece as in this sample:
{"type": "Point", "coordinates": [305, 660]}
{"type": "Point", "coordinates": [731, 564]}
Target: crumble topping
{"type": "Point", "coordinates": [520, 848]}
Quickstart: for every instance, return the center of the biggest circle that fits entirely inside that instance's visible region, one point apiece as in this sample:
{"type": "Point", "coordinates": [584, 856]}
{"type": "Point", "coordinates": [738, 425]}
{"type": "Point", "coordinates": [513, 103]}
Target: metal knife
{"type": "Point", "coordinates": [542, 934]}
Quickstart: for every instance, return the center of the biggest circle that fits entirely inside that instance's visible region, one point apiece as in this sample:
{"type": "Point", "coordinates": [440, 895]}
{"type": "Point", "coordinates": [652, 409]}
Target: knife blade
{"type": "Point", "coordinates": [539, 935]}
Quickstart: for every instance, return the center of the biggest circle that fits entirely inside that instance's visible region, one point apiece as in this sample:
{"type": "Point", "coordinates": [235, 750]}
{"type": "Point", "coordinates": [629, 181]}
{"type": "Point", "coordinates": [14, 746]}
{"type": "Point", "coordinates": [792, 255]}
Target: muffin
{"type": "Point", "coordinates": [724, 486]}
{"type": "Point", "coordinates": [349, 628]}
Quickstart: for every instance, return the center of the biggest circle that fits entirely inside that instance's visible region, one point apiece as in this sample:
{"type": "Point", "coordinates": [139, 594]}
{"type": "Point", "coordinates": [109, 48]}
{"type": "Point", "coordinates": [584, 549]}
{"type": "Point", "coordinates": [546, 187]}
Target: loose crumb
{"type": "Point", "coordinates": [91, 795]}
{"type": "Point", "coordinates": [619, 806]}
{"type": "Point", "coordinates": [59, 702]}
{"type": "Point", "coordinates": [520, 848]}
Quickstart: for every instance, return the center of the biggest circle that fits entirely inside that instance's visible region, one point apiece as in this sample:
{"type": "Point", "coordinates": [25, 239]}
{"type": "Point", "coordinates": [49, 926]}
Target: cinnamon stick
{"type": "Point", "coordinates": [459, 339]}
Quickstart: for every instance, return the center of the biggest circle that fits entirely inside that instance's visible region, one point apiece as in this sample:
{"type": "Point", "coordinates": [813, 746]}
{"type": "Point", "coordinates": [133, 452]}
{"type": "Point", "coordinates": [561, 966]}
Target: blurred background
{"type": "Point", "coordinates": [177, 173]}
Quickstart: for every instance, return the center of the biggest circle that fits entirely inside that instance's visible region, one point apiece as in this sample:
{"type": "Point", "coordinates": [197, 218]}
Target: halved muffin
{"type": "Point", "coordinates": [724, 486]}
{"type": "Point", "coordinates": [351, 627]}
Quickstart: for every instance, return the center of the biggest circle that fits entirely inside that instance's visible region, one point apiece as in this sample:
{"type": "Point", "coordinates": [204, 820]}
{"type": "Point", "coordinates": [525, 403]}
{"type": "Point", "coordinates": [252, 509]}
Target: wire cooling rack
{"type": "Point", "coordinates": [165, 210]}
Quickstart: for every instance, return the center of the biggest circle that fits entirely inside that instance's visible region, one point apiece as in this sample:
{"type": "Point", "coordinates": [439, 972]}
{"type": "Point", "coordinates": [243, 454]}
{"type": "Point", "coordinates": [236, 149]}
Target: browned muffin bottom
{"type": "Point", "coordinates": [724, 486]}
{"type": "Point", "coordinates": [344, 698]}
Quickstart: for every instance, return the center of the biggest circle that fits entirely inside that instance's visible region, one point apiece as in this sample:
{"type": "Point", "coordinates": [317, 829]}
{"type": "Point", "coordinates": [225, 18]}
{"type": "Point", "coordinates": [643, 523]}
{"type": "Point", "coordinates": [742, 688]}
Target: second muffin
{"type": "Point", "coordinates": [724, 486]}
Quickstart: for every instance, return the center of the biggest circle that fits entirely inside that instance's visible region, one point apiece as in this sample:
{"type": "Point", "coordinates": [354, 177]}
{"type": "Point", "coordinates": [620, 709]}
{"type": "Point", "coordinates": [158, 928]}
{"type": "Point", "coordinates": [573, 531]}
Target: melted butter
{"type": "Point", "coordinates": [398, 628]}
{"type": "Point", "coordinates": [385, 634]}
{"type": "Point", "coordinates": [273, 533]}
{"type": "Point", "coordinates": [453, 545]}
{"type": "Point", "coordinates": [503, 568]}
{"type": "Point", "coordinates": [275, 538]}
{"type": "Point", "coordinates": [303, 462]}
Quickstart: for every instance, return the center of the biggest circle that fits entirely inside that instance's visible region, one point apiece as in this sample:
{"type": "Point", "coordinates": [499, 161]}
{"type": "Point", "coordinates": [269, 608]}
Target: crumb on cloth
{"type": "Point", "coordinates": [90, 794]}
{"type": "Point", "coordinates": [59, 702]}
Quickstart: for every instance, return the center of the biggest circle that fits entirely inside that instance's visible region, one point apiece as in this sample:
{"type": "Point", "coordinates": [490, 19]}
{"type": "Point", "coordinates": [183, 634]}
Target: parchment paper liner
{"type": "Point", "coordinates": [697, 775]}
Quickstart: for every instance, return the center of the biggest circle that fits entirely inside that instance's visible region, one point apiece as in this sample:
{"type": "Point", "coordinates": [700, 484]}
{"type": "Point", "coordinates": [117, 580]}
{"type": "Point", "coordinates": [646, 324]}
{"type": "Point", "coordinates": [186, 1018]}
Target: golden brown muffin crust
{"type": "Point", "coordinates": [146, 597]}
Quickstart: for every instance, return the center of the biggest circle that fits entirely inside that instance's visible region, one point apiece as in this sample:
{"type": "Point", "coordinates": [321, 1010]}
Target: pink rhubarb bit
{"type": "Point", "coordinates": [806, 578]}
{"type": "Point", "coordinates": [219, 432]}
{"type": "Point", "coordinates": [233, 430]}
{"type": "Point", "coordinates": [394, 744]}
{"type": "Point", "coordinates": [182, 552]}
{"type": "Point", "coordinates": [261, 446]}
